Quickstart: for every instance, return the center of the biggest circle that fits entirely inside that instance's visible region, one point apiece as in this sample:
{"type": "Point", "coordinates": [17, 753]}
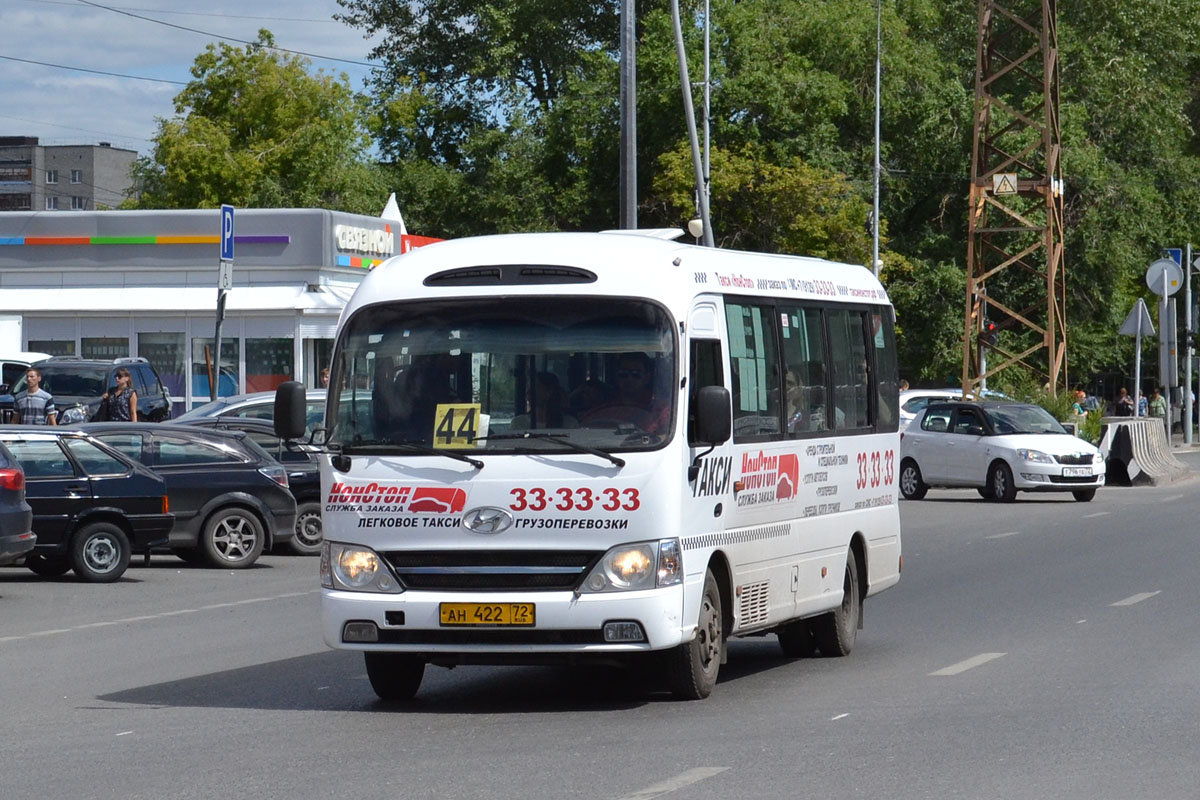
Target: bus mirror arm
{"type": "Point", "coordinates": [694, 469]}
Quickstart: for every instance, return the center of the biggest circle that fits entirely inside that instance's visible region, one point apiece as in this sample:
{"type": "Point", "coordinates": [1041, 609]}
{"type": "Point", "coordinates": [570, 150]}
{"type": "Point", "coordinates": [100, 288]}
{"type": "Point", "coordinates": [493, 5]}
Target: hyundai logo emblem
{"type": "Point", "coordinates": [487, 519]}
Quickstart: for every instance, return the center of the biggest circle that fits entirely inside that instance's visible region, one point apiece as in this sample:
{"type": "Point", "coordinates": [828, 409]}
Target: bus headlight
{"type": "Point", "coordinates": [355, 569]}
{"type": "Point", "coordinates": [641, 565]}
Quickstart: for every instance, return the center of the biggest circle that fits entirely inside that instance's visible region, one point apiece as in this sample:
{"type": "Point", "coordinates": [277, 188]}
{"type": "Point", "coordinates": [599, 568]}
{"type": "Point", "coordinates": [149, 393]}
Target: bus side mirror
{"type": "Point", "coordinates": [290, 408]}
{"type": "Point", "coordinates": [714, 415]}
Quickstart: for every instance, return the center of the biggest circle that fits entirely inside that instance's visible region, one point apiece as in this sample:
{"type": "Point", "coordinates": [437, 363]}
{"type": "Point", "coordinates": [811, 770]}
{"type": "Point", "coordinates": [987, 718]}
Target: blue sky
{"type": "Point", "coordinates": [62, 106]}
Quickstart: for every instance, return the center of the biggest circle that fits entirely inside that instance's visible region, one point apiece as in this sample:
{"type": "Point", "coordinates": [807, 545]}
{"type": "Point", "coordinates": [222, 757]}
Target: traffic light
{"type": "Point", "coordinates": [989, 336]}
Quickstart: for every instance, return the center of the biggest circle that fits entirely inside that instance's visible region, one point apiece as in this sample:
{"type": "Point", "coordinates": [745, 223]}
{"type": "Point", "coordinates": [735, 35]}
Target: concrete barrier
{"type": "Point", "coordinates": [1137, 452]}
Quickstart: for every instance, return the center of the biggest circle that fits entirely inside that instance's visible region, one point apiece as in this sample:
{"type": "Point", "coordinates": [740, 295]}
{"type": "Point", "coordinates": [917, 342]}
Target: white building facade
{"type": "Point", "coordinates": [144, 283]}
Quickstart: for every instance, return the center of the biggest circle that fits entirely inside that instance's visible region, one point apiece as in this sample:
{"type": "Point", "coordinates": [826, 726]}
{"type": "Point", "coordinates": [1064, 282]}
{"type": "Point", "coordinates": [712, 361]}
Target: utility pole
{"type": "Point", "coordinates": [628, 168]}
{"type": "Point", "coordinates": [1015, 225]}
{"type": "Point", "coordinates": [878, 85]}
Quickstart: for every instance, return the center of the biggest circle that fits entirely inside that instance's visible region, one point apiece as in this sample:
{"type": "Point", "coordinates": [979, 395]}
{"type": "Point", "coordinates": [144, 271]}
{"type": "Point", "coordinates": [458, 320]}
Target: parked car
{"type": "Point", "coordinates": [78, 383]}
{"type": "Point", "coordinates": [257, 405]}
{"type": "Point", "coordinates": [913, 401]}
{"type": "Point", "coordinates": [998, 448]}
{"type": "Point", "coordinates": [304, 477]}
{"type": "Point", "coordinates": [92, 507]}
{"type": "Point", "coordinates": [16, 518]}
{"type": "Point", "coordinates": [229, 496]}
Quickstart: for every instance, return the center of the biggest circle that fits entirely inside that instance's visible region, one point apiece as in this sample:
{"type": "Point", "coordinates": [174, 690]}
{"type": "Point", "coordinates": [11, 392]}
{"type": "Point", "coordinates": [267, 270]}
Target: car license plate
{"type": "Point", "coordinates": [1077, 472]}
{"type": "Point", "coordinates": [497, 614]}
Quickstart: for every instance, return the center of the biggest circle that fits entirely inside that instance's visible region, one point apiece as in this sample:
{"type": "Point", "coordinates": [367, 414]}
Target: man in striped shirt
{"type": "Point", "coordinates": [34, 406]}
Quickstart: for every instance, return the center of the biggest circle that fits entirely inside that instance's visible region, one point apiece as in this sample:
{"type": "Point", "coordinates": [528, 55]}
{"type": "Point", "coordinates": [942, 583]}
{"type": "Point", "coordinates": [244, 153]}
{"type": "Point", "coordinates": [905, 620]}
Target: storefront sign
{"type": "Point", "coordinates": [365, 240]}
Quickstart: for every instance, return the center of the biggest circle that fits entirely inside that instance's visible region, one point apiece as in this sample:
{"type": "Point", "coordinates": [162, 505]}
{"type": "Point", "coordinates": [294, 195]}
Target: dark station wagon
{"type": "Point", "coordinates": [229, 496]}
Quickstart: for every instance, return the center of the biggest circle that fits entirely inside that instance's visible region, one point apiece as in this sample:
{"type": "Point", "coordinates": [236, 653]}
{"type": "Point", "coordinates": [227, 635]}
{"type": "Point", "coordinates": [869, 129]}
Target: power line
{"type": "Point", "coordinates": [105, 134]}
{"type": "Point", "coordinates": [329, 20]}
{"type": "Point", "coordinates": [93, 71]}
{"type": "Point", "coordinates": [227, 38]}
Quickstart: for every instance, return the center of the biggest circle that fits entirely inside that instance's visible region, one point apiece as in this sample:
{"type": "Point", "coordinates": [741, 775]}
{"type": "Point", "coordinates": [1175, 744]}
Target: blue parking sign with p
{"type": "Point", "coordinates": [226, 233]}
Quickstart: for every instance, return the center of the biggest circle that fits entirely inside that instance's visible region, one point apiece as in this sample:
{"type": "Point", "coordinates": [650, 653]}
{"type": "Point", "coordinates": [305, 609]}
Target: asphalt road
{"type": "Point", "coordinates": [1041, 649]}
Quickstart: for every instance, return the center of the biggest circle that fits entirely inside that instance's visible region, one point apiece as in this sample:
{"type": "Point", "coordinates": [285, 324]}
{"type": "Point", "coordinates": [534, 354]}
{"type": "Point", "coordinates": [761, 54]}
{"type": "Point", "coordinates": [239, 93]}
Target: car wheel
{"type": "Point", "coordinates": [233, 538]}
{"type": "Point", "coordinates": [1000, 481]}
{"type": "Point", "coordinates": [693, 666]}
{"type": "Point", "coordinates": [395, 677]}
{"type": "Point", "coordinates": [796, 639]}
{"type": "Point", "coordinates": [911, 485]}
{"type": "Point", "coordinates": [836, 631]}
{"type": "Point", "coordinates": [48, 566]}
{"type": "Point", "coordinates": [985, 492]}
{"type": "Point", "coordinates": [308, 539]}
{"type": "Point", "coordinates": [100, 552]}
{"type": "Point", "coordinates": [1084, 495]}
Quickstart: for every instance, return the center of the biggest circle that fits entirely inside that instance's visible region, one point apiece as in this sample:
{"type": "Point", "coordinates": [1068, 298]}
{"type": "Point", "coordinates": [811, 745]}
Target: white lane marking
{"type": "Point", "coordinates": [107, 623]}
{"type": "Point", "coordinates": [839, 716]}
{"type": "Point", "coordinates": [678, 782]}
{"type": "Point", "coordinates": [1137, 598]}
{"type": "Point", "coordinates": [1080, 621]}
{"type": "Point", "coordinates": [1173, 497]}
{"type": "Point", "coordinates": [124, 733]}
{"type": "Point", "coordinates": [1002, 535]}
{"type": "Point", "coordinates": [1097, 514]}
{"type": "Point", "coordinates": [970, 663]}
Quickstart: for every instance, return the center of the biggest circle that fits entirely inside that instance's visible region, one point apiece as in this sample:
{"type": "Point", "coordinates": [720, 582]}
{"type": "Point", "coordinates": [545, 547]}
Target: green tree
{"type": "Point", "coordinates": [256, 128]}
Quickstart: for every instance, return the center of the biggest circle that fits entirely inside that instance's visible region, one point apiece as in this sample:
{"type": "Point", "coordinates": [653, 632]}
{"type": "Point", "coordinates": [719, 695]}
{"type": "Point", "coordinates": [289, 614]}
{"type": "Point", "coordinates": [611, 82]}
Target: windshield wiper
{"type": "Point", "coordinates": [558, 438]}
{"type": "Point", "coordinates": [413, 446]}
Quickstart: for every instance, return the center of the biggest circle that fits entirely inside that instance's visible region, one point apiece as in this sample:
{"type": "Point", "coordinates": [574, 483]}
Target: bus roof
{"type": "Point", "coordinates": [622, 265]}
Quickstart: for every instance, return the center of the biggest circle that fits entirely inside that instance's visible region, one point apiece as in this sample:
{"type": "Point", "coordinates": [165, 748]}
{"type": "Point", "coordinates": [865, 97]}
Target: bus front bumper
{"type": "Point", "coordinates": [564, 622]}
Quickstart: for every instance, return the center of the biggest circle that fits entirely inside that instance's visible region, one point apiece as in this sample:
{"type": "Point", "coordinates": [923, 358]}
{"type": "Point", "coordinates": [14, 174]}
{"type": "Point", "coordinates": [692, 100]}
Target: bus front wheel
{"type": "Point", "coordinates": [395, 677]}
{"type": "Point", "coordinates": [835, 631]}
{"type": "Point", "coordinates": [694, 665]}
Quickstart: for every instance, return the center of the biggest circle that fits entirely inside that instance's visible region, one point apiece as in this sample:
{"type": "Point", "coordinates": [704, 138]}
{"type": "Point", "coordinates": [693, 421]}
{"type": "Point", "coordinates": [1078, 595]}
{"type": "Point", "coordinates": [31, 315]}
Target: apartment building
{"type": "Point", "coordinates": [86, 177]}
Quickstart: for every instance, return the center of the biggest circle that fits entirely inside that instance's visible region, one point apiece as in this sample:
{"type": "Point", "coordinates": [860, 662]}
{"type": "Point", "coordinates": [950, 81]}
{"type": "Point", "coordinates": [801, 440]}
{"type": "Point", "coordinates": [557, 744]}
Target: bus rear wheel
{"type": "Point", "coordinates": [694, 665]}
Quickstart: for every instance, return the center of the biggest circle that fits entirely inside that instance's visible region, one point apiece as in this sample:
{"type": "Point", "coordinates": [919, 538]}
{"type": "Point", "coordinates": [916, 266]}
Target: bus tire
{"type": "Point", "coordinates": [911, 485]}
{"type": "Point", "coordinates": [796, 639]}
{"type": "Point", "coordinates": [395, 677]}
{"type": "Point", "coordinates": [1000, 481]}
{"type": "Point", "coordinates": [693, 665]}
{"type": "Point", "coordinates": [835, 631]}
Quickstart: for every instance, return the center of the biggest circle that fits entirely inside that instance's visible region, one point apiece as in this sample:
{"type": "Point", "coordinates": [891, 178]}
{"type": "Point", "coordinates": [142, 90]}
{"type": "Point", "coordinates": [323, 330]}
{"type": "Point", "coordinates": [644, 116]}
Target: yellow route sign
{"type": "Point", "coordinates": [457, 425]}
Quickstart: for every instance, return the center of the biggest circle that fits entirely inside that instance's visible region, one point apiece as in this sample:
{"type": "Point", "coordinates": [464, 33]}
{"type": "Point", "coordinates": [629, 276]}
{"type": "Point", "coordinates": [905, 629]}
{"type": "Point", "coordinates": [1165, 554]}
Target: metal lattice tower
{"type": "Point", "coordinates": [1015, 276]}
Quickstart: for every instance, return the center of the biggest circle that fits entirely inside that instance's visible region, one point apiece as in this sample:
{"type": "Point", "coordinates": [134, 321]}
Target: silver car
{"type": "Point", "coordinates": [997, 448]}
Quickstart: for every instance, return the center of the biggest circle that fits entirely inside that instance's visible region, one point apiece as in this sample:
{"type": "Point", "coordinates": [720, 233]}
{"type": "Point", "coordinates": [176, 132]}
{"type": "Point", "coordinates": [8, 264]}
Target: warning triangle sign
{"type": "Point", "coordinates": [1004, 183]}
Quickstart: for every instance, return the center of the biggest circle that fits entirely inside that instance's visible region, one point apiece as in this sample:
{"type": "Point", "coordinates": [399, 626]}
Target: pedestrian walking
{"type": "Point", "coordinates": [1158, 408]}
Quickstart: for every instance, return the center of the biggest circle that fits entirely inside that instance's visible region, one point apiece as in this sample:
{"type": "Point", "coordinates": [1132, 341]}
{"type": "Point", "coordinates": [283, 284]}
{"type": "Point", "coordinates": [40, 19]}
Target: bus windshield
{"type": "Point", "coordinates": [505, 375]}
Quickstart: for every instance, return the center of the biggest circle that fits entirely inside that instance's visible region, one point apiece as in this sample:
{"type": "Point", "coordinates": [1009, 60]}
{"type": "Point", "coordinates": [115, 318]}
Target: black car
{"type": "Point", "coordinates": [92, 507]}
{"type": "Point", "coordinates": [304, 477]}
{"type": "Point", "coordinates": [229, 496]}
{"type": "Point", "coordinates": [78, 383]}
{"type": "Point", "coordinates": [16, 518]}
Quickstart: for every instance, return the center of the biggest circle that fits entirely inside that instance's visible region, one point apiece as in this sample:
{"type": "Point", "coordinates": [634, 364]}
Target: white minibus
{"type": "Point", "coordinates": [560, 447]}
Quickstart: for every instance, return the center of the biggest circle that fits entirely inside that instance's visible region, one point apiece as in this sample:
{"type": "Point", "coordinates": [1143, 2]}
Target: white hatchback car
{"type": "Point", "coordinates": [913, 401]}
{"type": "Point", "coordinates": [998, 448]}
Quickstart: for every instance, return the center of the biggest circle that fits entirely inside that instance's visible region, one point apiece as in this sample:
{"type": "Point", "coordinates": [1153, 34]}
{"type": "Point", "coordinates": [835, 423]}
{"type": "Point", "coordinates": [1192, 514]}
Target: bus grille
{"type": "Point", "coordinates": [492, 570]}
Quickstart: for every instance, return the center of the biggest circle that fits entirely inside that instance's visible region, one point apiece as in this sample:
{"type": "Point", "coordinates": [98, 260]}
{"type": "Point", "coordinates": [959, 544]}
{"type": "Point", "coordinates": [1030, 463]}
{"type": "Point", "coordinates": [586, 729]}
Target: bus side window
{"type": "Point", "coordinates": [754, 372]}
{"type": "Point", "coordinates": [705, 370]}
